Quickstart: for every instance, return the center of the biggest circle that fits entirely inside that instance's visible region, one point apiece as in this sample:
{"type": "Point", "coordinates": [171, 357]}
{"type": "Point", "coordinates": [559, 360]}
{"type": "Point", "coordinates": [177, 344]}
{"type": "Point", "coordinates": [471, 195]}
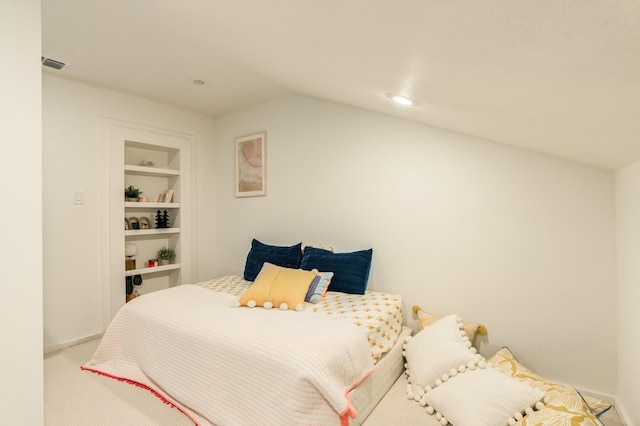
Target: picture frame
{"type": "Point", "coordinates": [133, 223]}
{"type": "Point", "coordinates": [145, 222]}
{"type": "Point", "coordinates": [251, 165]}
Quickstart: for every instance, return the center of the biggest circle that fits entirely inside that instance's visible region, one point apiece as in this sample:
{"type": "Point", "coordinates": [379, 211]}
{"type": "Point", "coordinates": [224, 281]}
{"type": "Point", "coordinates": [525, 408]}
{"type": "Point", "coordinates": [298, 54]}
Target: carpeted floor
{"type": "Point", "coordinates": [75, 397]}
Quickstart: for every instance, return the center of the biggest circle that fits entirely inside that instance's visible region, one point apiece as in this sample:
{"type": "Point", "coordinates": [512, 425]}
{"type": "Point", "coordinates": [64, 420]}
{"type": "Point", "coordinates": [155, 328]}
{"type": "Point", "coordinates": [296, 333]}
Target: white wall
{"type": "Point", "coordinates": [21, 215]}
{"type": "Point", "coordinates": [72, 161]}
{"type": "Point", "coordinates": [628, 232]}
{"type": "Point", "coordinates": [521, 242]}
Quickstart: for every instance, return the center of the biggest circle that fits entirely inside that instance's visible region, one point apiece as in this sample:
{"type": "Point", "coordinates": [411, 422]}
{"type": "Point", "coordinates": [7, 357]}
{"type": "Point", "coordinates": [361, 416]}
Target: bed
{"type": "Point", "coordinates": [326, 363]}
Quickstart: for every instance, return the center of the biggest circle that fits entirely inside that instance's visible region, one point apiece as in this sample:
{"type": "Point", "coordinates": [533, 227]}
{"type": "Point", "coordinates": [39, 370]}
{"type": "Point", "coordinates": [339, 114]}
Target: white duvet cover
{"type": "Point", "coordinates": [224, 365]}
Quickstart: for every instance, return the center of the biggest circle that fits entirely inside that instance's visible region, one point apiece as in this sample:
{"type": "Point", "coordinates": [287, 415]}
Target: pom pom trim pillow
{"type": "Point", "coordinates": [350, 270]}
{"type": "Point", "coordinates": [454, 383]}
{"type": "Point", "coordinates": [484, 396]}
{"type": "Point", "coordinates": [440, 349]}
{"type": "Point", "coordinates": [283, 288]}
{"type": "Point", "coordinates": [288, 257]}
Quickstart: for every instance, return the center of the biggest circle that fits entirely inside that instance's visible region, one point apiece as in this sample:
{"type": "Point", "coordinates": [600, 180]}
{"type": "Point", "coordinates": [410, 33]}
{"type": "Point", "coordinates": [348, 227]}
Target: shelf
{"type": "Point", "coordinates": [143, 271]}
{"type": "Point", "coordinates": [168, 154]}
{"type": "Point", "coordinates": [138, 205]}
{"type": "Point", "coordinates": [150, 171]}
{"type": "Point", "coordinates": [155, 231]}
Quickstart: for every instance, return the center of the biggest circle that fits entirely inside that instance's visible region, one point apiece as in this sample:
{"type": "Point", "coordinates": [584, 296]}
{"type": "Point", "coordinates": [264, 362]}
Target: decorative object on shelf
{"type": "Point", "coordinates": [152, 263]}
{"type": "Point", "coordinates": [145, 222]}
{"type": "Point", "coordinates": [126, 224]}
{"type": "Point", "coordinates": [147, 163]}
{"type": "Point", "coordinates": [165, 255]}
{"type": "Point", "coordinates": [130, 290]}
{"type": "Point", "coordinates": [131, 193]}
{"type": "Point", "coordinates": [130, 250]}
{"type": "Point", "coordinates": [134, 223]}
{"type": "Point", "coordinates": [166, 196]}
{"type": "Point", "coordinates": [162, 219]}
{"type": "Point", "coordinates": [251, 165]}
{"type": "Point", "coordinates": [143, 200]}
{"type": "Point", "coordinates": [137, 280]}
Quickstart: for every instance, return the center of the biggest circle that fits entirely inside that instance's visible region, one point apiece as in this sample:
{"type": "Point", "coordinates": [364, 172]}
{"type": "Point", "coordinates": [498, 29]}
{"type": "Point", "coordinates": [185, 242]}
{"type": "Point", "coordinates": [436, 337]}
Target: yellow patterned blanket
{"type": "Point", "coordinates": [379, 313]}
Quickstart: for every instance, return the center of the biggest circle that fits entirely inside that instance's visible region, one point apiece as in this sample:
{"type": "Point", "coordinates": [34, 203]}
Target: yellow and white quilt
{"type": "Point", "coordinates": [380, 314]}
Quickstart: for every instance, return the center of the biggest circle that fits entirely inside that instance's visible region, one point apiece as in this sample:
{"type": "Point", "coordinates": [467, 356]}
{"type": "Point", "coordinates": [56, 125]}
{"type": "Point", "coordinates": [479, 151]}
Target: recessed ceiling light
{"type": "Point", "coordinates": [402, 100]}
{"type": "Point", "coordinates": [198, 81]}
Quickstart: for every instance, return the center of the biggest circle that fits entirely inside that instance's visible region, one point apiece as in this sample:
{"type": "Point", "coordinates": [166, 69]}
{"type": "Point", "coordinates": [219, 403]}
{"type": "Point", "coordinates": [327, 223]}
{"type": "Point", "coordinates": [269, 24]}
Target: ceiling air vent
{"type": "Point", "coordinates": [52, 63]}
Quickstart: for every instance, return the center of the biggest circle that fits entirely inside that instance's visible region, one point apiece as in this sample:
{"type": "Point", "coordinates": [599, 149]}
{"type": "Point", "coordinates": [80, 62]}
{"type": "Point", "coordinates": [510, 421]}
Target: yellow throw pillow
{"type": "Point", "coordinates": [279, 287]}
{"type": "Point", "coordinates": [567, 408]}
{"type": "Point", "coordinates": [506, 361]}
{"type": "Point", "coordinates": [425, 320]}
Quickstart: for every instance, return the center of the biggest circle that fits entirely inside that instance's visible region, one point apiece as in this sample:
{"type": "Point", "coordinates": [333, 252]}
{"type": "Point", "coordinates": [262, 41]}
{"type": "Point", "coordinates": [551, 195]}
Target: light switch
{"type": "Point", "coordinates": [78, 197]}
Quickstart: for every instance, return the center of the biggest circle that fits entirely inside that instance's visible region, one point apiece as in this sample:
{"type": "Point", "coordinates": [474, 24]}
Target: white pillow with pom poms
{"type": "Point", "coordinates": [484, 396]}
{"type": "Point", "coordinates": [441, 349]}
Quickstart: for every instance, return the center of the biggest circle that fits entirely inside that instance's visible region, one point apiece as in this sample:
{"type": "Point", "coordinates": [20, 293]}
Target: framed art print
{"type": "Point", "coordinates": [251, 165]}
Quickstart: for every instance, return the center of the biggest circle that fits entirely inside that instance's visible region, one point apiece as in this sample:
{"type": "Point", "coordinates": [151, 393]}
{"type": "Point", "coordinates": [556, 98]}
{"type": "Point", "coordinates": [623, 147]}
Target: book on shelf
{"type": "Point", "coordinates": [166, 196]}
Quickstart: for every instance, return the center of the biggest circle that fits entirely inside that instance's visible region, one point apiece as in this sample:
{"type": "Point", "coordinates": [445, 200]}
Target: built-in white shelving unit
{"type": "Point", "coordinates": [160, 174]}
{"type": "Point", "coordinates": [154, 161]}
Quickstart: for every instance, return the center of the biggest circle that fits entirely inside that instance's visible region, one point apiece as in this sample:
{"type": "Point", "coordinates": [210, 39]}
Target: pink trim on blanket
{"type": "Point", "coordinates": [157, 394]}
{"type": "Point", "coordinates": [350, 411]}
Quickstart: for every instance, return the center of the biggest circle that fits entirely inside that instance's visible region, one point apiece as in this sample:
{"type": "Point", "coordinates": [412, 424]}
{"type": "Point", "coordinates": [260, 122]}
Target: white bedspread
{"type": "Point", "coordinates": [223, 365]}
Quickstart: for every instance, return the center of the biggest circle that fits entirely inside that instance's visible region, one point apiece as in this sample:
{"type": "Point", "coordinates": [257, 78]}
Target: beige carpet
{"type": "Point", "coordinates": [75, 397]}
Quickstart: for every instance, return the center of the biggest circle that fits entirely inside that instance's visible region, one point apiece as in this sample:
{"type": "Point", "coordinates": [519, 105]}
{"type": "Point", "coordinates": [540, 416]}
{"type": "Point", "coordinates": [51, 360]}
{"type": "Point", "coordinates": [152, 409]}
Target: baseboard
{"type": "Point", "coordinates": [622, 412]}
{"type": "Point", "coordinates": [601, 396]}
{"type": "Point", "coordinates": [60, 346]}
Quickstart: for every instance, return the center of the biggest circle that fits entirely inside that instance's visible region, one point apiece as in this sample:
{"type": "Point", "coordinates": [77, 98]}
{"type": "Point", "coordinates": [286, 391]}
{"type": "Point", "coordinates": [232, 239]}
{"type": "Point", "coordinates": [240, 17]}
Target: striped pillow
{"type": "Point", "coordinates": [318, 287]}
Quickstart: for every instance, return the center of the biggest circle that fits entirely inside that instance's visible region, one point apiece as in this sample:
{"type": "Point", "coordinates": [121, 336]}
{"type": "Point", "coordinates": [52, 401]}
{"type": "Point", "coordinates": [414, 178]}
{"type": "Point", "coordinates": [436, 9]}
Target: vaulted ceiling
{"type": "Point", "coordinates": [559, 77]}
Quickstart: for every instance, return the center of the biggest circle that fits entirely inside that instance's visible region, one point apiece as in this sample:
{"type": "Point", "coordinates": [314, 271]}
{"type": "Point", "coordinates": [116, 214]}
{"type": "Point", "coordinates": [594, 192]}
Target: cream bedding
{"type": "Point", "coordinates": [378, 314]}
{"type": "Point", "coordinates": [213, 361]}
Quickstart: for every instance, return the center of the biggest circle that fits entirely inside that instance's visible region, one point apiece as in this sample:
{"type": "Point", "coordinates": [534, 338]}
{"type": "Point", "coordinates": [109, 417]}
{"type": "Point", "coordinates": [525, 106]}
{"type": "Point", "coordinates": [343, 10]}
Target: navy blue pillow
{"type": "Point", "coordinates": [350, 270]}
{"type": "Point", "coordinates": [288, 257]}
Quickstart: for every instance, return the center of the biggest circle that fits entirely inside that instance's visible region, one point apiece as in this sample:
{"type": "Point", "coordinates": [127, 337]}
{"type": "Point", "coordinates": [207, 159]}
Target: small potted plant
{"type": "Point", "coordinates": [131, 193]}
{"type": "Point", "coordinates": [165, 255]}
